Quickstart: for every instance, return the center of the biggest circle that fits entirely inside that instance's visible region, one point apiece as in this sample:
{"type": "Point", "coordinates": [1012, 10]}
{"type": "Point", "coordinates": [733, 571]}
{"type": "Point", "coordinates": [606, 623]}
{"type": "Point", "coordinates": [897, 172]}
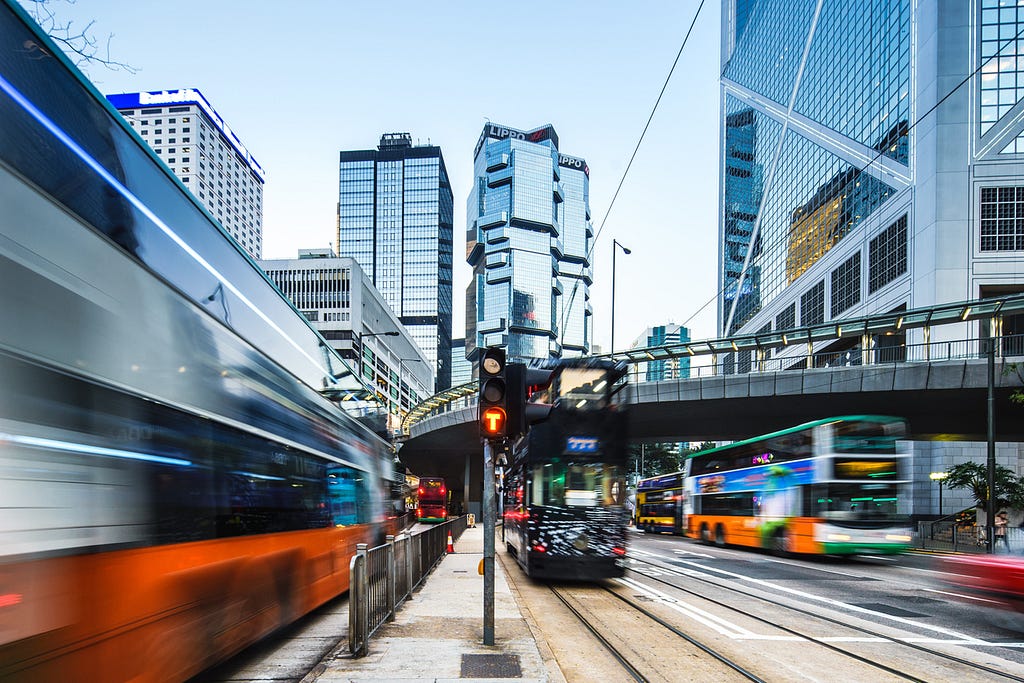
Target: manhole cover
{"type": "Point", "coordinates": [490, 666]}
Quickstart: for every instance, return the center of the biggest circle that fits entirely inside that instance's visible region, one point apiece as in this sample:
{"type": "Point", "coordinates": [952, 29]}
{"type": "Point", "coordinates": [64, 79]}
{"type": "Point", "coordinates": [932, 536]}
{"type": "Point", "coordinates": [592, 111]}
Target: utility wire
{"type": "Point", "coordinates": [636, 149]}
{"type": "Point", "coordinates": [879, 154]}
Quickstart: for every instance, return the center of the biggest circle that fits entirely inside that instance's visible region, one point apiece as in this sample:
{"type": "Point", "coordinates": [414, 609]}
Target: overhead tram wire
{"type": "Point", "coordinates": [597, 235]}
{"type": "Point", "coordinates": [878, 155]}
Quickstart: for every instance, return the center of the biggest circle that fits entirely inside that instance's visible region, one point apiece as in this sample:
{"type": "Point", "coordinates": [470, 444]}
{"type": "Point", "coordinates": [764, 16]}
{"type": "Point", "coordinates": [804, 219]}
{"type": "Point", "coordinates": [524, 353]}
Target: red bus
{"type": "Point", "coordinates": [433, 500]}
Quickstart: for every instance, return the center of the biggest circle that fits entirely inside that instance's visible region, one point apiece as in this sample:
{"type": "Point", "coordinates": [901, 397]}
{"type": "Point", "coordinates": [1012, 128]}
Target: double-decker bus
{"type": "Point", "coordinates": [565, 492]}
{"type": "Point", "coordinates": [833, 486]}
{"type": "Point", "coordinates": [174, 485]}
{"type": "Point", "coordinates": [433, 500]}
{"type": "Point", "coordinates": [660, 504]}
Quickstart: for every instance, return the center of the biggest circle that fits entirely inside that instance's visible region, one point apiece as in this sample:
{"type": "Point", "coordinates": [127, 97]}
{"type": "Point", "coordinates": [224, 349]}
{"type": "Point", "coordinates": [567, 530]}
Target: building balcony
{"type": "Point", "coordinates": [497, 162]}
{"type": "Point", "coordinates": [492, 219]}
{"type": "Point", "coordinates": [499, 178]}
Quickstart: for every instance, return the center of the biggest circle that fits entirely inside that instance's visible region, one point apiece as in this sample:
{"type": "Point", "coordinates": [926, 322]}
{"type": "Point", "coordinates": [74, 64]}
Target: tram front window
{"type": "Point", "coordinates": [583, 389]}
{"type": "Point", "coordinates": [578, 485]}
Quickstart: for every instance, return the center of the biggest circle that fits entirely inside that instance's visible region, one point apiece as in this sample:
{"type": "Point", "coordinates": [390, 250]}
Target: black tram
{"type": "Point", "coordinates": [565, 513]}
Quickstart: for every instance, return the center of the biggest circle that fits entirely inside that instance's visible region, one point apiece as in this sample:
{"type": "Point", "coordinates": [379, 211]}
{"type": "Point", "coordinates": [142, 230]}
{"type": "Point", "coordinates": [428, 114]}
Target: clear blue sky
{"type": "Point", "coordinates": [299, 82]}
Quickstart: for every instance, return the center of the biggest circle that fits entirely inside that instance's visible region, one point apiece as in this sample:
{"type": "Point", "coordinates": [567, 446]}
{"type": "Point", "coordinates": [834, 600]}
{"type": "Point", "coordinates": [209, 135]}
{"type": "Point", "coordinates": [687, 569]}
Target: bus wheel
{"type": "Point", "coordinates": [705, 534]}
{"type": "Point", "coordinates": [782, 543]}
{"type": "Point", "coordinates": [720, 536]}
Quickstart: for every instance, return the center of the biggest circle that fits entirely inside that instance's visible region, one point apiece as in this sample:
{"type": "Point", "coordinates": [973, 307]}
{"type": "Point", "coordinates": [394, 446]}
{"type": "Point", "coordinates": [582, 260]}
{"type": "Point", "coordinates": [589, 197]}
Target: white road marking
{"type": "Point", "coordinates": [836, 604]}
{"type": "Point", "coordinates": [953, 637]}
{"type": "Point", "coordinates": [961, 595]}
{"type": "Point", "coordinates": [724, 627]}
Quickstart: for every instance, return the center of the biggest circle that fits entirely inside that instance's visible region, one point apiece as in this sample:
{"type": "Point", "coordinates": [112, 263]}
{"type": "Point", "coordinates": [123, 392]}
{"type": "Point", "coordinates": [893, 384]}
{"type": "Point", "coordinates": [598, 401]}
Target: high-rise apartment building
{"type": "Point", "coordinates": [395, 219]}
{"type": "Point", "coordinates": [871, 162]}
{"type": "Point", "coordinates": [188, 134]}
{"type": "Point", "coordinates": [528, 240]}
{"type": "Point", "coordinates": [669, 368]}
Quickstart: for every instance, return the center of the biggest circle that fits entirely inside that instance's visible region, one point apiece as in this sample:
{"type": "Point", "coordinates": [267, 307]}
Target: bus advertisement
{"type": "Point", "coordinates": [836, 486]}
{"type": "Point", "coordinates": [660, 504]}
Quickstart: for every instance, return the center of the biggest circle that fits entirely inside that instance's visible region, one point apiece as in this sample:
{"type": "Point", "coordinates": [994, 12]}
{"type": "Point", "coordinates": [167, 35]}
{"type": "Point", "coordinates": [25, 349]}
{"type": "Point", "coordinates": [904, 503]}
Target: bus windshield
{"type": "Point", "coordinates": [840, 502]}
{"type": "Point", "coordinates": [578, 484]}
{"type": "Point", "coordinates": [867, 437]}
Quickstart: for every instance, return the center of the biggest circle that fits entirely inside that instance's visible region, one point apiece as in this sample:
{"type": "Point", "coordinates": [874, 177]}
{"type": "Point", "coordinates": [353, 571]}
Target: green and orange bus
{"type": "Point", "coordinates": [834, 486]}
{"type": "Point", "coordinates": [837, 486]}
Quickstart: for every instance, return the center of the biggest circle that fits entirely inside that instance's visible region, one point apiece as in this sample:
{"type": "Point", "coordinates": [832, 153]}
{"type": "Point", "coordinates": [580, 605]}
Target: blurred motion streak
{"type": "Point", "coordinates": [173, 485]}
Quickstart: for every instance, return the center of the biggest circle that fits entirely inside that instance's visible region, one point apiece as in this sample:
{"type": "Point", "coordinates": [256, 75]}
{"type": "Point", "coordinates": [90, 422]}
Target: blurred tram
{"type": "Point", "coordinates": [565, 515]}
{"type": "Point", "coordinates": [174, 485]}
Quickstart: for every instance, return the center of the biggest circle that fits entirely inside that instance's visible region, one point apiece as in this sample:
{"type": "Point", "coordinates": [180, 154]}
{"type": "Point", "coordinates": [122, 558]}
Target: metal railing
{"type": "Point", "coordinates": [779, 359]}
{"type": "Point", "coordinates": [383, 578]}
{"type": "Point", "coordinates": [949, 536]}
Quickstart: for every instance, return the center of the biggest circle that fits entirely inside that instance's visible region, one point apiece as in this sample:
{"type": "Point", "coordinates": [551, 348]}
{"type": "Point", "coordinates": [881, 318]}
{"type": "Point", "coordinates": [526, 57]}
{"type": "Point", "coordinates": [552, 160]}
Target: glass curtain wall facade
{"type": "Point", "coordinates": [817, 105]}
{"type": "Point", "coordinates": [872, 156]}
{"type": "Point", "coordinates": [528, 241]}
{"type": "Point", "coordinates": [870, 160]}
{"type": "Point", "coordinates": [395, 218]}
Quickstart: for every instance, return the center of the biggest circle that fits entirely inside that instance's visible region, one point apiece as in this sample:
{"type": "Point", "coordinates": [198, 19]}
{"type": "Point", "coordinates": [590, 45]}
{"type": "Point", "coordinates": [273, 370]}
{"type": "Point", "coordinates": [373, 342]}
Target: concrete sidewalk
{"type": "Point", "coordinates": [437, 635]}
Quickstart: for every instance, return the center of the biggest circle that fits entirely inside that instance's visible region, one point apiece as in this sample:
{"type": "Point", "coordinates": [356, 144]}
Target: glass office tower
{"type": "Point", "coordinates": [871, 158]}
{"type": "Point", "coordinates": [669, 368]}
{"type": "Point", "coordinates": [528, 240]}
{"type": "Point", "coordinates": [395, 218]}
{"type": "Point", "coordinates": [872, 155]}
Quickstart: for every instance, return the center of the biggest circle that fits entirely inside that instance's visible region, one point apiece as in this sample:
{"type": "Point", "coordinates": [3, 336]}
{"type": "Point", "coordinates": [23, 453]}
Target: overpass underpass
{"type": "Point", "coordinates": [942, 400]}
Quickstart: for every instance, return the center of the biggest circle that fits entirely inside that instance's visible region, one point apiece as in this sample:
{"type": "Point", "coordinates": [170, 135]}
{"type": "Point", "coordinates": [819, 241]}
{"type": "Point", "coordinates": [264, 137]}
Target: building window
{"type": "Point", "coordinates": [846, 285]}
{"type": "Point", "coordinates": [1002, 218]}
{"type": "Point", "coordinates": [812, 305]}
{"type": "Point", "coordinates": [887, 255]}
{"type": "Point", "coordinates": [786, 320]}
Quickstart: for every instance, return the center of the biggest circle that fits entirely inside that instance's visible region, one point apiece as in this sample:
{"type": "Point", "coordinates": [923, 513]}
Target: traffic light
{"type": "Point", "coordinates": [524, 381]}
{"type": "Point", "coordinates": [493, 394]}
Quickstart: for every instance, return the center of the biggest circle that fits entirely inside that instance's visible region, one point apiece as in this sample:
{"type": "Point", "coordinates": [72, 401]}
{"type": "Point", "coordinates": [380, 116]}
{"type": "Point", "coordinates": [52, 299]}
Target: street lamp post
{"type": "Point", "coordinates": [939, 477]}
{"type": "Point", "coordinates": [361, 336]}
{"type": "Point", "coordinates": [615, 245]}
{"type": "Point", "coordinates": [359, 356]}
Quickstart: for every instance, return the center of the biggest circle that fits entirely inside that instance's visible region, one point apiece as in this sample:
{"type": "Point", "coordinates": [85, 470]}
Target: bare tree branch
{"type": "Point", "coordinates": [79, 44]}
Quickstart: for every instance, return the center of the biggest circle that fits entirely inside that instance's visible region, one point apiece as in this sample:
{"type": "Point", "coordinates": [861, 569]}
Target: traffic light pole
{"type": "Point", "coordinates": [489, 525]}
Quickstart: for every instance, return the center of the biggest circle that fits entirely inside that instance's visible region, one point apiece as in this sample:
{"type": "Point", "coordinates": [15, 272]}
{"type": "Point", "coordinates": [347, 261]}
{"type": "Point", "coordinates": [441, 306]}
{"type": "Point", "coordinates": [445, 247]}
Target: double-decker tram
{"type": "Point", "coordinates": [660, 504]}
{"type": "Point", "coordinates": [565, 513]}
{"type": "Point", "coordinates": [433, 500]}
{"type": "Point", "coordinates": [174, 486]}
{"type": "Point", "coordinates": [833, 486]}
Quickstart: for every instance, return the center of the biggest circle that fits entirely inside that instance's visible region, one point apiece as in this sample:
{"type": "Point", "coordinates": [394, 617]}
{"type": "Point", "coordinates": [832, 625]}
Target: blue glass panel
{"type": "Point", "coordinates": [862, 93]}
{"type": "Point", "coordinates": [768, 51]}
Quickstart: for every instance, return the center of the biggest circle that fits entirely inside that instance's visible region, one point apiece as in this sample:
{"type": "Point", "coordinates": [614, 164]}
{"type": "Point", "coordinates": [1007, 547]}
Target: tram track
{"type": "Point", "coordinates": [621, 643]}
{"type": "Point", "coordinates": [972, 666]}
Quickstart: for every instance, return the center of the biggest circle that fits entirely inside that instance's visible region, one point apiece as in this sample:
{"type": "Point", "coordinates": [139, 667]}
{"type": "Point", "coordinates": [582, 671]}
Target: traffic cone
{"type": "Point", "coordinates": [451, 546]}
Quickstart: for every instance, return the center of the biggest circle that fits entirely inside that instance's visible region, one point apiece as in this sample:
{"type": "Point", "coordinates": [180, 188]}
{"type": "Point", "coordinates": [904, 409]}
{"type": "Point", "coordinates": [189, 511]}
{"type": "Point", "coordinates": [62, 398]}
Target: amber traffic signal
{"type": "Point", "coordinates": [493, 394]}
